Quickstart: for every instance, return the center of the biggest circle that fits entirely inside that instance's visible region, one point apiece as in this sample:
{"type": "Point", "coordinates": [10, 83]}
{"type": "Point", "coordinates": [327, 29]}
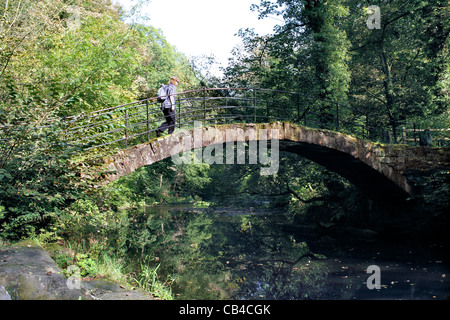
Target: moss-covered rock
{"type": "Point", "coordinates": [27, 272]}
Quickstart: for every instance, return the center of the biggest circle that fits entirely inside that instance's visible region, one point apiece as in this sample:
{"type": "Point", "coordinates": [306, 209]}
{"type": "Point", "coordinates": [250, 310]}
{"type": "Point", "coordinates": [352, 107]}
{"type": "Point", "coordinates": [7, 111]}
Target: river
{"type": "Point", "coordinates": [226, 253]}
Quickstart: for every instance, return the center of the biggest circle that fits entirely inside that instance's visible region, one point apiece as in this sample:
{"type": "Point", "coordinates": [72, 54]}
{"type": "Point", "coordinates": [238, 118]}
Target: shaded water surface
{"type": "Point", "coordinates": [250, 254]}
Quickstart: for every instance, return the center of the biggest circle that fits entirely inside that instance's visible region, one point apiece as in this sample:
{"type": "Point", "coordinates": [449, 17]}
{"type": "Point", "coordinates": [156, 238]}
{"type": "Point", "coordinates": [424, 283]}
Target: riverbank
{"type": "Point", "coordinates": [27, 272]}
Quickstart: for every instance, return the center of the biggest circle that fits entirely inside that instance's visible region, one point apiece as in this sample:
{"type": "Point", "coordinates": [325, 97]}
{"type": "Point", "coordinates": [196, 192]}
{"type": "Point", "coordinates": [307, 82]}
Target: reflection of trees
{"type": "Point", "coordinates": [179, 243]}
{"type": "Point", "coordinates": [273, 265]}
{"type": "Point", "coordinates": [213, 256]}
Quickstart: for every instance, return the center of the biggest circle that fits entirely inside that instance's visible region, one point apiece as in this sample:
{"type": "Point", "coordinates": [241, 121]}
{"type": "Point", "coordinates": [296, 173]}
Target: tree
{"type": "Point", "coordinates": [396, 68]}
{"type": "Point", "coordinates": [308, 54]}
{"type": "Point", "coordinates": [393, 74]}
{"type": "Point", "coordinates": [313, 29]}
{"type": "Point", "coordinates": [61, 58]}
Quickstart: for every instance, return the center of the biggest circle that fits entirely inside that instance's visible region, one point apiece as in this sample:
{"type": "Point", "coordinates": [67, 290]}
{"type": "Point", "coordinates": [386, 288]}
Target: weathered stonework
{"type": "Point", "coordinates": [352, 158]}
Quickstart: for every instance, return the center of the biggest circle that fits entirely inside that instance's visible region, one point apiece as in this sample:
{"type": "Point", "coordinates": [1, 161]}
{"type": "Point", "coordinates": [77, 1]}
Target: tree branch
{"type": "Point", "coordinates": [410, 66]}
{"type": "Point", "coordinates": [299, 198]}
{"type": "Point", "coordinates": [291, 263]}
{"type": "Point", "coordinates": [288, 191]}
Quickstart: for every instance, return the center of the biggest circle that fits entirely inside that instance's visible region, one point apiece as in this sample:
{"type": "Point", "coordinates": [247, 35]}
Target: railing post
{"type": "Point", "coordinates": [204, 106]}
{"type": "Point", "coordinates": [367, 127]}
{"type": "Point", "coordinates": [179, 113]}
{"type": "Point", "coordinates": [404, 135]}
{"type": "Point", "coordinates": [394, 130]}
{"type": "Point", "coordinates": [363, 131]}
{"type": "Point", "coordinates": [337, 116]}
{"type": "Point", "coordinates": [226, 109]}
{"type": "Point", "coordinates": [414, 133]}
{"type": "Point", "coordinates": [254, 105]}
{"type": "Point", "coordinates": [126, 126]}
{"type": "Point", "coordinates": [306, 121]}
{"type": "Point", "coordinates": [148, 120]}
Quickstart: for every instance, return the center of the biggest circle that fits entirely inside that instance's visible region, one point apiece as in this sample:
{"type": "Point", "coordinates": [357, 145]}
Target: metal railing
{"type": "Point", "coordinates": [129, 124]}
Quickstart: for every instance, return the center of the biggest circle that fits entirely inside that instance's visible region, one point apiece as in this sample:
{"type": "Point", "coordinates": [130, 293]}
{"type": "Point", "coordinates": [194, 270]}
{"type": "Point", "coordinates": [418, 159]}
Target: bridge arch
{"type": "Point", "coordinates": [376, 169]}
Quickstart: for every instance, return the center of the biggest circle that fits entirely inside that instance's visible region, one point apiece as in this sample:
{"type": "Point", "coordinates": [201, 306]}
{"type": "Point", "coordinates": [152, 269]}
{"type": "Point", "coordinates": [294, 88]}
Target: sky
{"type": "Point", "coordinates": [203, 27]}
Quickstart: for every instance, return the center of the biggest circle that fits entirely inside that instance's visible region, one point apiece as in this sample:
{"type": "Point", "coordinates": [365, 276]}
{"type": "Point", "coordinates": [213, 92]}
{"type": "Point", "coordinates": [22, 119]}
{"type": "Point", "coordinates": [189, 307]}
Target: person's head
{"type": "Point", "coordinates": [174, 81]}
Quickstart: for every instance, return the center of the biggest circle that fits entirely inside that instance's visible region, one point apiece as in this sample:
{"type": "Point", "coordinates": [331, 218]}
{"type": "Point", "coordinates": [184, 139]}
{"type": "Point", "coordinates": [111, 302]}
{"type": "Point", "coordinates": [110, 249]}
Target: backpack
{"type": "Point", "coordinates": [162, 93]}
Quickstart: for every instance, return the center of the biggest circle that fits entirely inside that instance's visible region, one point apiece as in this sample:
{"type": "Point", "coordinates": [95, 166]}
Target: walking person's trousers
{"type": "Point", "coordinates": [170, 121]}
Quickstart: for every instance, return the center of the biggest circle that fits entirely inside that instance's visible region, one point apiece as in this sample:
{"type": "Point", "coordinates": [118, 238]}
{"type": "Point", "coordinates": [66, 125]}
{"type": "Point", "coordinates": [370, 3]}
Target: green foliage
{"type": "Point", "coordinates": [36, 178]}
{"type": "Point", "coordinates": [163, 182]}
{"type": "Point", "coordinates": [84, 217]}
{"type": "Point", "coordinates": [60, 59]}
{"type": "Point", "coordinates": [55, 63]}
{"type": "Point", "coordinates": [324, 48]}
{"type": "Point", "coordinates": [431, 189]}
{"type": "Point", "coordinates": [147, 278]}
{"type": "Point", "coordinates": [87, 265]}
{"type": "Point", "coordinates": [309, 53]}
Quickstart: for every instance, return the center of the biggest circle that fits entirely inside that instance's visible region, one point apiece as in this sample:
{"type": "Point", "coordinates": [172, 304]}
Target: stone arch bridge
{"type": "Point", "coordinates": [377, 169]}
{"type": "Point", "coordinates": [375, 157]}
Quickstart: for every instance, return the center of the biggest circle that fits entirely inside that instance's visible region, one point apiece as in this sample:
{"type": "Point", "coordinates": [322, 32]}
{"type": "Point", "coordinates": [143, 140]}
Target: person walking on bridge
{"type": "Point", "coordinates": [168, 108]}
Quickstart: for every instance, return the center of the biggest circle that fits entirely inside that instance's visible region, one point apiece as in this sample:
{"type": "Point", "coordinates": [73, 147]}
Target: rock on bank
{"type": "Point", "coordinates": [27, 272]}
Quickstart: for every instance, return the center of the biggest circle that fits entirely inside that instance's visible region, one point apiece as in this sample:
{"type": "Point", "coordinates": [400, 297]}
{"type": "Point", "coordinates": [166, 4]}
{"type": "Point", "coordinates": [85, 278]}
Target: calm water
{"type": "Point", "coordinates": [251, 254]}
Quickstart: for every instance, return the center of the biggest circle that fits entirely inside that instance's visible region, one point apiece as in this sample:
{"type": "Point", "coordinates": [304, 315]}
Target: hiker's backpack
{"type": "Point", "coordinates": [162, 93]}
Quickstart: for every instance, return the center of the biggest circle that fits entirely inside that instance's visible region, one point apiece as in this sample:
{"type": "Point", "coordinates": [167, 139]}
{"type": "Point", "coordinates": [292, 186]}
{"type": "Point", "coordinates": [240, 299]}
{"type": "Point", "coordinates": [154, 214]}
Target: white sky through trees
{"type": "Point", "coordinates": [203, 27]}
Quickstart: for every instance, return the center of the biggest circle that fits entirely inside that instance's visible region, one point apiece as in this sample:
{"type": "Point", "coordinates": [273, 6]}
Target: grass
{"type": "Point", "coordinates": [148, 280]}
{"type": "Point", "coordinates": [114, 268]}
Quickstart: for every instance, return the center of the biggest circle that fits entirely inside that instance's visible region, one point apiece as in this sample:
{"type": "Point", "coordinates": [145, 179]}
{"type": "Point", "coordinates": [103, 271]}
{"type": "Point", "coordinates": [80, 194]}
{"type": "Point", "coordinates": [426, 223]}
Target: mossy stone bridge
{"type": "Point", "coordinates": [372, 155]}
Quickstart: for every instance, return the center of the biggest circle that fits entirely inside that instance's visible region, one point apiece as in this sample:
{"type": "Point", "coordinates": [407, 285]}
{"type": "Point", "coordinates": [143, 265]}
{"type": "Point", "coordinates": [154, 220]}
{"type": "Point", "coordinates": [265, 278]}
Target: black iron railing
{"type": "Point", "coordinates": [137, 122]}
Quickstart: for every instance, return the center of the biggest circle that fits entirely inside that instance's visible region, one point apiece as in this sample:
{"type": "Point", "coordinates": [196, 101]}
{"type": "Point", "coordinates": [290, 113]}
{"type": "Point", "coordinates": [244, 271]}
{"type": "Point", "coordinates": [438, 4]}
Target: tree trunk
{"type": "Point", "coordinates": [389, 93]}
